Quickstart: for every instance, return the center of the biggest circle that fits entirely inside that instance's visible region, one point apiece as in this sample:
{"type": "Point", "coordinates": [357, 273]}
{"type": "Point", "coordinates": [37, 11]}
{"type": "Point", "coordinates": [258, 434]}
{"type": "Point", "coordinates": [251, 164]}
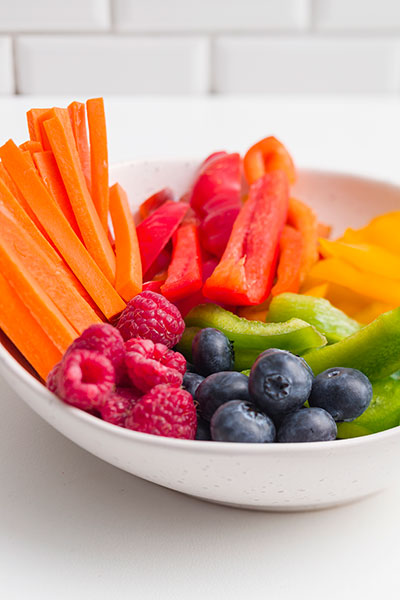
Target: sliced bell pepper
{"type": "Point", "coordinates": [374, 349]}
{"type": "Point", "coordinates": [266, 156]}
{"type": "Point", "coordinates": [371, 311]}
{"type": "Point", "coordinates": [184, 272]}
{"type": "Point", "coordinates": [366, 257]}
{"type": "Point", "coordinates": [288, 272]}
{"type": "Point", "coordinates": [324, 230]}
{"type": "Point", "coordinates": [381, 231]}
{"type": "Point", "coordinates": [255, 313]}
{"type": "Point", "coordinates": [219, 175]}
{"type": "Point", "coordinates": [155, 201]}
{"type": "Point", "coordinates": [155, 232]}
{"type": "Point", "coordinates": [246, 271]}
{"type": "Point", "coordinates": [161, 263]}
{"type": "Point", "coordinates": [303, 218]}
{"type": "Point", "coordinates": [320, 313]}
{"type": "Point", "coordinates": [250, 338]}
{"type": "Point", "coordinates": [335, 270]}
{"type": "Point", "coordinates": [153, 286]}
{"type": "Point", "coordinates": [185, 305]}
{"type": "Point", "coordinates": [217, 227]}
{"type": "Point", "coordinates": [318, 291]}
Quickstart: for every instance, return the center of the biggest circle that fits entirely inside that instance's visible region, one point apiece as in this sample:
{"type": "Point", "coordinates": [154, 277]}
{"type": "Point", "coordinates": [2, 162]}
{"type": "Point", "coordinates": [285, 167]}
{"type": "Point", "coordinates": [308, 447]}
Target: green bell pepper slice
{"type": "Point", "coordinates": [320, 313]}
{"type": "Point", "coordinates": [250, 338]}
{"type": "Point", "coordinates": [374, 349]}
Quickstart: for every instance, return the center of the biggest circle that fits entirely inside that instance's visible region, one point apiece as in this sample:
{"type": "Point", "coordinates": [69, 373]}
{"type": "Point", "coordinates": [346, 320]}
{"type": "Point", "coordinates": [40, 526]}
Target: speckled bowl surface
{"type": "Point", "coordinates": [256, 476]}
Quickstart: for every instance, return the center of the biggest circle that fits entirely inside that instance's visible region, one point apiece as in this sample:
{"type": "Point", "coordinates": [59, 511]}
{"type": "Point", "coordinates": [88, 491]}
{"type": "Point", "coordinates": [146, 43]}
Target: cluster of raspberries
{"type": "Point", "coordinates": [128, 375]}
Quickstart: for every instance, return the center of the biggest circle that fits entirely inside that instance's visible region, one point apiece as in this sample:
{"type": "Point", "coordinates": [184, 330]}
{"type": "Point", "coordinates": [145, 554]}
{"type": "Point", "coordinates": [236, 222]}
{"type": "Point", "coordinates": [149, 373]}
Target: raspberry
{"type": "Point", "coordinates": [118, 405]}
{"type": "Point", "coordinates": [150, 364]}
{"type": "Point", "coordinates": [85, 379]}
{"type": "Point", "coordinates": [165, 410]}
{"type": "Point", "coordinates": [151, 316]}
{"type": "Point", "coordinates": [52, 378]}
{"type": "Point", "coordinates": [106, 340]}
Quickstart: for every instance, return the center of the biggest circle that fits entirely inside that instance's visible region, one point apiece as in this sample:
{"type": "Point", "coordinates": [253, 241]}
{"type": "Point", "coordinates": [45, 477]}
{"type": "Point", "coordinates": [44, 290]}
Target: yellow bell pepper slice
{"type": "Point", "coordinates": [346, 300]}
{"type": "Point", "coordinates": [381, 231]}
{"type": "Point", "coordinates": [371, 311]}
{"type": "Point", "coordinates": [318, 291]}
{"type": "Point", "coordinates": [337, 271]}
{"type": "Point", "coordinates": [366, 257]}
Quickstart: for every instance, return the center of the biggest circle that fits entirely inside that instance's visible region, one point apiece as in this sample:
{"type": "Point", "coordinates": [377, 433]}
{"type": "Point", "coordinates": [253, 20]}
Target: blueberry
{"type": "Point", "coordinates": [211, 352]}
{"type": "Point", "coordinates": [219, 388]}
{"type": "Point", "coordinates": [238, 421]}
{"type": "Point", "coordinates": [203, 432]}
{"type": "Point", "coordinates": [344, 393]}
{"type": "Point", "coordinates": [307, 425]}
{"type": "Point", "coordinates": [279, 382]}
{"type": "Point", "coordinates": [191, 382]}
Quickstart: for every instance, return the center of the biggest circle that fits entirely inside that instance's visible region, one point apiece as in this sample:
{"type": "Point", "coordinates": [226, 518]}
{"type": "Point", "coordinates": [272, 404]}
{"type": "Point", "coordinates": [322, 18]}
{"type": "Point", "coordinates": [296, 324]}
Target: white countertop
{"type": "Point", "coordinates": [73, 526]}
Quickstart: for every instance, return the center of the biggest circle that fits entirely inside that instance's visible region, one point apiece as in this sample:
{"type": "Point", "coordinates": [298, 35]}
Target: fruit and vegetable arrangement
{"type": "Point", "coordinates": [226, 314]}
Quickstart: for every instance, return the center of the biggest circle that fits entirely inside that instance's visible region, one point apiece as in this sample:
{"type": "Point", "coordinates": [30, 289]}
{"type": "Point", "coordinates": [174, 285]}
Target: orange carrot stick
{"type": "Point", "coordinates": [60, 231]}
{"type": "Point", "coordinates": [31, 146]}
{"type": "Point", "coordinates": [7, 179]}
{"type": "Point", "coordinates": [77, 115]}
{"type": "Point", "coordinates": [35, 131]}
{"type": "Point", "coordinates": [302, 217]}
{"type": "Point", "coordinates": [46, 274]}
{"type": "Point", "coordinates": [25, 332]}
{"type": "Point", "coordinates": [8, 201]}
{"type": "Point", "coordinates": [48, 170]}
{"type": "Point", "coordinates": [128, 282]}
{"type": "Point", "coordinates": [28, 157]}
{"type": "Point", "coordinates": [324, 230]}
{"type": "Point", "coordinates": [99, 157]}
{"type": "Point", "coordinates": [49, 317]}
{"type": "Point", "coordinates": [95, 237]}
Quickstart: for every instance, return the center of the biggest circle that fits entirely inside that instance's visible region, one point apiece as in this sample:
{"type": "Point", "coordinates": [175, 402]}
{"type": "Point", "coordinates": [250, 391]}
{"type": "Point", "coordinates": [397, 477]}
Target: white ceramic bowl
{"type": "Point", "coordinates": [256, 476]}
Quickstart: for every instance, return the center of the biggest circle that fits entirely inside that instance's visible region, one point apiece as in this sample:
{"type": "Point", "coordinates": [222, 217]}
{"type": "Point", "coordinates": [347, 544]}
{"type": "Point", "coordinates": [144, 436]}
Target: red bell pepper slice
{"type": "Point", "coordinates": [266, 156]}
{"type": "Point", "coordinates": [217, 227]}
{"type": "Point", "coordinates": [155, 232]}
{"type": "Point", "coordinates": [153, 286]}
{"type": "Point", "coordinates": [184, 272]}
{"type": "Point", "coordinates": [220, 174]}
{"type": "Point", "coordinates": [160, 264]}
{"type": "Point", "coordinates": [155, 201]}
{"type": "Point", "coordinates": [186, 304]}
{"type": "Point", "coordinates": [246, 271]}
{"type": "Point", "coordinates": [288, 272]}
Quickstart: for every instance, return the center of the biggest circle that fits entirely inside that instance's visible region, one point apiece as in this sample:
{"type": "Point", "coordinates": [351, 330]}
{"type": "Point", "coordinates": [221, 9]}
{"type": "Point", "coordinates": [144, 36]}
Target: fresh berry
{"type": "Point", "coordinates": [150, 364]}
{"type": "Point", "coordinates": [118, 405]}
{"type": "Point", "coordinates": [203, 432]}
{"type": "Point", "coordinates": [279, 382]}
{"type": "Point", "coordinates": [307, 425]}
{"type": "Point", "coordinates": [219, 388]}
{"type": "Point", "coordinates": [165, 410]}
{"type": "Point", "coordinates": [52, 378]}
{"type": "Point", "coordinates": [106, 340]}
{"type": "Point", "coordinates": [344, 393]}
{"type": "Point", "coordinates": [211, 352]}
{"type": "Point", "coordinates": [85, 379]}
{"type": "Point", "coordinates": [151, 316]}
{"type": "Point", "coordinates": [191, 382]}
{"type": "Point", "coordinates": [238, 421]}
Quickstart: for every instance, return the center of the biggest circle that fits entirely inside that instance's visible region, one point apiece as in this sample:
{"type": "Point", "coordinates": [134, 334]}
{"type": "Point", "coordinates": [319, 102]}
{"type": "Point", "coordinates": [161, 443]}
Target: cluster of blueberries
{"type": "Point", "coordinates": [280, 400]}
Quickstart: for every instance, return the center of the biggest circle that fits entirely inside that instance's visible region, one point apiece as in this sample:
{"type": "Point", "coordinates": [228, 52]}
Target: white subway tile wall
{"type": "Point", "coordinates": [187, 47]}
{"type": "Point", "coordinates": [210, 15]}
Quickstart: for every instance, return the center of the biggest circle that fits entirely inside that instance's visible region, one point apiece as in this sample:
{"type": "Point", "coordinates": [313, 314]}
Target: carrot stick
{"type": "Point", "coordinates": [98, 157]}
{"type": "Point", "coordinates": [8, 201]}
{"type": "Point", "coordinates": [302, 217]}
{"type": "Point", "coordinates": [8, 181]}
{"type": "Point", "coordinates": [31, 146]}
{"type": "Point", "coordinates": [77, 115]}
{"type": "Point", "coordinates": [46, 274]}
{"type": "Point", "coordinates": [25, 332]}
{"type": "Point", "coordinates": [93, 234]}
{"type": "Point", "coordinates": [28, 157]}
{"type": "Point", "coordinates": [48, 170]}
{"type": "Point", "coordinates": [35, 131]}
{"type": "Point", "coordinates": [60, 231]}
{"type": "Point", "coordinates": [49, 317]}
{"type": "Point", "coordinates": [128, 282]}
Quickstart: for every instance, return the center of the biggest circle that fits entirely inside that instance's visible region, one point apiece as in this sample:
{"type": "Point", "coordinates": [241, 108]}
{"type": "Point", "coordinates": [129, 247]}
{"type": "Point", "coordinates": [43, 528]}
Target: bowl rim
{"type": "Point", "coordinates": [8, 362]}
